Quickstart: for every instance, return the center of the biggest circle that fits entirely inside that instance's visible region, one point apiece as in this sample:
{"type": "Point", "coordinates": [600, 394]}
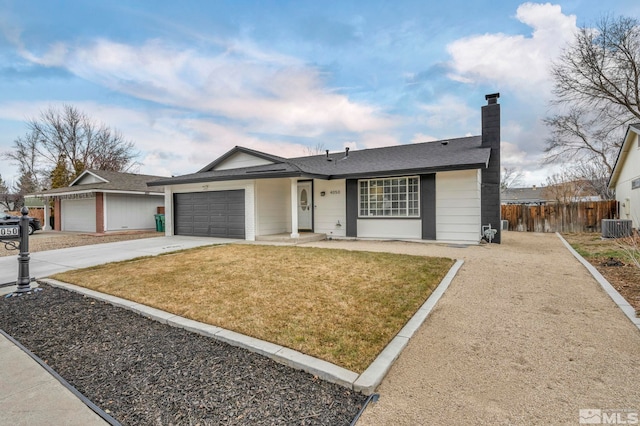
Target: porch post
{"type": "Point", "coordinates": [47, 214]}
{"type": "Point", "coordinates": [294, 209]}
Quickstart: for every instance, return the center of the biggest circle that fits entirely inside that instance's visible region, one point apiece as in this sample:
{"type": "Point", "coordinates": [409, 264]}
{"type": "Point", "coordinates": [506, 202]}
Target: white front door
{"type": "Point", "coordinates": [305, 206]}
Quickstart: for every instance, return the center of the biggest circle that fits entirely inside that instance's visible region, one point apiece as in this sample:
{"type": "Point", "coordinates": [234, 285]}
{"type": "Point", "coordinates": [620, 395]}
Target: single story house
{"type": "Point", "coordinates": [103, 201]}
{"type": "Point", "coordinates": [577, 191]}
{"type": "Point", "coordinates": [529, 196]}
{"type": "Point", "coordinates": [625, 177]}
{"type": "Point", "coordinates": [445, 190]}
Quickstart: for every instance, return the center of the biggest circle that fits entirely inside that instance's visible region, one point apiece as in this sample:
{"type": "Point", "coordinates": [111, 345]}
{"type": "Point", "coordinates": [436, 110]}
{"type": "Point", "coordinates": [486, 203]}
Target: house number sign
{"type": "Point", "coordinates": [10, 232]}
{"type": "Point", "coordinates": [335, 191]}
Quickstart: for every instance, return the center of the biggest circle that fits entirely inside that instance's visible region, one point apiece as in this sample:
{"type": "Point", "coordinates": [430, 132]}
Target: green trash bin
{"type": "Point", "coordinates": [159, 222]}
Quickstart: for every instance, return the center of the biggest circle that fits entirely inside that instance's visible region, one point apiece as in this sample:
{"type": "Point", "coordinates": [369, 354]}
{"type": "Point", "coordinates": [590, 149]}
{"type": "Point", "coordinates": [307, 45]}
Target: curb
{"type": "Point", "coordinates": [364, 383]}
{"type": "Point", "coordinates": [626, 308]}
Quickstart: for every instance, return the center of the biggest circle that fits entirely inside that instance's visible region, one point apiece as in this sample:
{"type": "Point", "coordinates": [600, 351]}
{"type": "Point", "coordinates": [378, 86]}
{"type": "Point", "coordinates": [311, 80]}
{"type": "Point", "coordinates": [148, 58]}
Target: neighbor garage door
{"type": "Point", "coordinates": [210, 214]}
{"type": "Point", "coordinates": [79, 215]}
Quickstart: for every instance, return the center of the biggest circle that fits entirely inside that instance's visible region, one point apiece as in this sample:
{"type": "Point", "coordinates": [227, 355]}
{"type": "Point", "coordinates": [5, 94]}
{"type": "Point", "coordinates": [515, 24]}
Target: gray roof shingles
{"type": "Point", "coordinates": [451, 154]}
{"type": "Point", "coordinates": [117, 181]}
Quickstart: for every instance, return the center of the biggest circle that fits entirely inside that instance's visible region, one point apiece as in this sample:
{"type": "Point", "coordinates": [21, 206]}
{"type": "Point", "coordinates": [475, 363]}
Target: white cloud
{"type": "Point", "coordinates": [512, 156]}
{"type": "Point", "coordinates": [169, 140]}
{"type": "Point", "coordinates": [515, 61]}
{"type": "Point", "coordinates": [269, 93]}
{"type": "Point", "coordinates": [450, 114]}
{"type": "Point", "coordinates": [378, 140]}
{"type": "Point", "coordinates": [421, 137]}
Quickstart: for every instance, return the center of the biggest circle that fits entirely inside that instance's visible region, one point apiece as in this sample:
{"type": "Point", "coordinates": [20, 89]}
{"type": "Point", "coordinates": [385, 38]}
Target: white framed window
{"type": "Point", "coordinates": [389, 197]}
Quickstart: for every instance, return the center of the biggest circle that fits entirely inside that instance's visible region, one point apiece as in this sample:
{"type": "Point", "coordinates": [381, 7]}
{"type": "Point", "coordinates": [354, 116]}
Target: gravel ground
{"type": "Point", "coordinates": [523, 336]}
{"type": "Point", "coordinates": [142, 372]}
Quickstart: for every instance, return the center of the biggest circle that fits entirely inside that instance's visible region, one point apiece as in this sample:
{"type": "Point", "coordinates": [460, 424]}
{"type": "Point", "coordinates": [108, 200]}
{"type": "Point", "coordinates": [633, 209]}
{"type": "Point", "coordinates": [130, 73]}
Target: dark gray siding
{"type": "Point", "coordinates": [352, 207]}
{"type": "Point", "coordinates": [210, 214]}
{"type": "Point", "coordinates": [428, 206]}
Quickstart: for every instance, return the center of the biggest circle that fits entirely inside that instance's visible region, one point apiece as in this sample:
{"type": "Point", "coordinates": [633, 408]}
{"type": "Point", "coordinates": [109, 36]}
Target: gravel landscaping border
{"type": "Point", "coordinates": [142, 372]}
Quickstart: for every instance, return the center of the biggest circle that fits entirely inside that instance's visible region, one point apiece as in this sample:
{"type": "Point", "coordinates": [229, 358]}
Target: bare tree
{"type": "Point", "coordinates": [510, 177]}
{"type": "Point", "coordinates": [562, 188]}
{"type": "Point", "coordinates": [595, 176]}
{"type": "Point", "coordinates": [71, 135]}
{"type": "Point", "coordinates": [317, 149]}
{"type": "Point", "coordinates": [597, 91]}
{"type": "Point", "coordinates": [8, 199]}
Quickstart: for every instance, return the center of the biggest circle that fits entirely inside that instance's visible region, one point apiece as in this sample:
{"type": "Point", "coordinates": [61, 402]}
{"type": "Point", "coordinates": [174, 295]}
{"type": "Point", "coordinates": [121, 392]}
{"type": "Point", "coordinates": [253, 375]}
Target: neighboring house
{"type": "Point", "coordinates": [529, 196]}
{"type": "Point", "coordinates": [444, 190]}
{"type": "Point", "coordinates": [625, 178]}
{"type": "Point", "coordinates": [578, 191]}
{"type": "Point", "coordinates": [102, 201]}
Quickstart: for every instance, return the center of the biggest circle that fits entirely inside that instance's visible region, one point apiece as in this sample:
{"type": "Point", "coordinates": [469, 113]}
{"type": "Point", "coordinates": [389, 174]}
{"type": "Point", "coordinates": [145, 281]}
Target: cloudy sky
{"type": "Point", "coordinates": [188, 80]}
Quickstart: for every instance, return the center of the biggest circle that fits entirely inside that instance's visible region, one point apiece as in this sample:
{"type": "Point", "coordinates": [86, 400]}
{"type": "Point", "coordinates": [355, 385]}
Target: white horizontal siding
{"type": "Point", "coordinates": [330, 210]}
{"type": "Point", "coordinates": [273, 208]}
{"type": "Point", "coordinates": [458, 211]}
{"type": "Point", "coordinates": [624, 194]}
{"type": "Point", "coordinates": [390, 228]}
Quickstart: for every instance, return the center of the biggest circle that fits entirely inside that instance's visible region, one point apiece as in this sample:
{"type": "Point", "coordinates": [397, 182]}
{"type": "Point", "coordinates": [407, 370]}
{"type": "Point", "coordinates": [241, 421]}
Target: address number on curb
{"type": "Point", "coordinates": [10, 231]}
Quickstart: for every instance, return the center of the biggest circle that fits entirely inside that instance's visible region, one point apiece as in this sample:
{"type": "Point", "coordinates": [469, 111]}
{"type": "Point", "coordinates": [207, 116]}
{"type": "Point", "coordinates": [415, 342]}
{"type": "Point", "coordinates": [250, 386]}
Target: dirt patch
{"type": "Point", "coordinates": [51, 240]}
{"type": "Point", "coordinates": [607, 257]}
{"type": "Point", "coordinates": [143, 372]}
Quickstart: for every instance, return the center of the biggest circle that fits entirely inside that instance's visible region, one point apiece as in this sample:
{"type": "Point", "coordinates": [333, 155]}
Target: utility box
{"type": "Point", "coordinates": [616, 228]}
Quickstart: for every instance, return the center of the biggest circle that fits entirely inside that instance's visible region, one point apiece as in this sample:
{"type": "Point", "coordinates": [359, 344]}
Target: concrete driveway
{"type": "Point", "coordinates": [45, 263]}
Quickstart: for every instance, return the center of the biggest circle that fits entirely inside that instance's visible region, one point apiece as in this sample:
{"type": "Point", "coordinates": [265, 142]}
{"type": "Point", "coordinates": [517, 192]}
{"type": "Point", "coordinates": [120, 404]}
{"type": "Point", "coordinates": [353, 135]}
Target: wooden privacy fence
{"type": "Point", "coordinates": [571, 217]}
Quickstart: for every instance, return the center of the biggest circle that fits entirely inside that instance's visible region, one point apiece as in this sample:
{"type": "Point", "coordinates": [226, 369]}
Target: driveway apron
{"type": "Point", "coordinates": [50, 262]}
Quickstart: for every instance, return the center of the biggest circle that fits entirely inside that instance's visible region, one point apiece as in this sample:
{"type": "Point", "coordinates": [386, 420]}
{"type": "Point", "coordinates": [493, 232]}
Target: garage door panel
{"type": "Point", "coordinates": [79, 215]}
{"type": "Point", "coordinates": [214, 214]}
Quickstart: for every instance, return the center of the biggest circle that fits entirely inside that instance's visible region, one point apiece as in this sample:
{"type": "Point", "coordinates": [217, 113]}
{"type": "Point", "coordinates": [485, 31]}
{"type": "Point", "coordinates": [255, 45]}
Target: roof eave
{"type": "Point", "coordinates": [225, 178]}
{"type": "Point", "coordinates": [404, 172]}
{"type": "Point", "coordinates": [92, 190]}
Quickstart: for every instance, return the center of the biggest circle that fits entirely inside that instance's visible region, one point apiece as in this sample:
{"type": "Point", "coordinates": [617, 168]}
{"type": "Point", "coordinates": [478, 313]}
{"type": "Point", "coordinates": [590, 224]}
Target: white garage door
{"type": "Point", "coordinates": [132, 211]}
{"type": "Point", "coordinates": [79, 215]}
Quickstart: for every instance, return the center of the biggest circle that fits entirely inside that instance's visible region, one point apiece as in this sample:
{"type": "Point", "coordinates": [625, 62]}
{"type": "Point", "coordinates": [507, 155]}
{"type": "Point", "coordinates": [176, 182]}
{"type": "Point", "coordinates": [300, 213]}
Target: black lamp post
{"type": "Point", "coordinates": [24, 279]}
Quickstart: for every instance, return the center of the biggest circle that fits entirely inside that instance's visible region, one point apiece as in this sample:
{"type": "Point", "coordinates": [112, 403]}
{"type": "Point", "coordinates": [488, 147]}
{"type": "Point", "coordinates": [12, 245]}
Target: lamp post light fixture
{"type": "Point", "coordinates": [10, 233]}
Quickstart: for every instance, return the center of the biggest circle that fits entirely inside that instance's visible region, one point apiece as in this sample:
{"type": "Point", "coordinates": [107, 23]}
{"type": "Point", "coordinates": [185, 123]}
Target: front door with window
{"type": "Point", "coordinates": [305, 206]}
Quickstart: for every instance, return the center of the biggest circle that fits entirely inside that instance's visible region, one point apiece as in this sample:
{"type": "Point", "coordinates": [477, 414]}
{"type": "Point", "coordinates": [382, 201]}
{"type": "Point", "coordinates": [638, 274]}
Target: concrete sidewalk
{"type": "Point", "coordinates": [30, 395]}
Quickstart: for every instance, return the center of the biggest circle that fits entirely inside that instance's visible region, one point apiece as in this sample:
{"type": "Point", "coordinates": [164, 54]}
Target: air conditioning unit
{"type": "Point", "coordinates": [616, 228]}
